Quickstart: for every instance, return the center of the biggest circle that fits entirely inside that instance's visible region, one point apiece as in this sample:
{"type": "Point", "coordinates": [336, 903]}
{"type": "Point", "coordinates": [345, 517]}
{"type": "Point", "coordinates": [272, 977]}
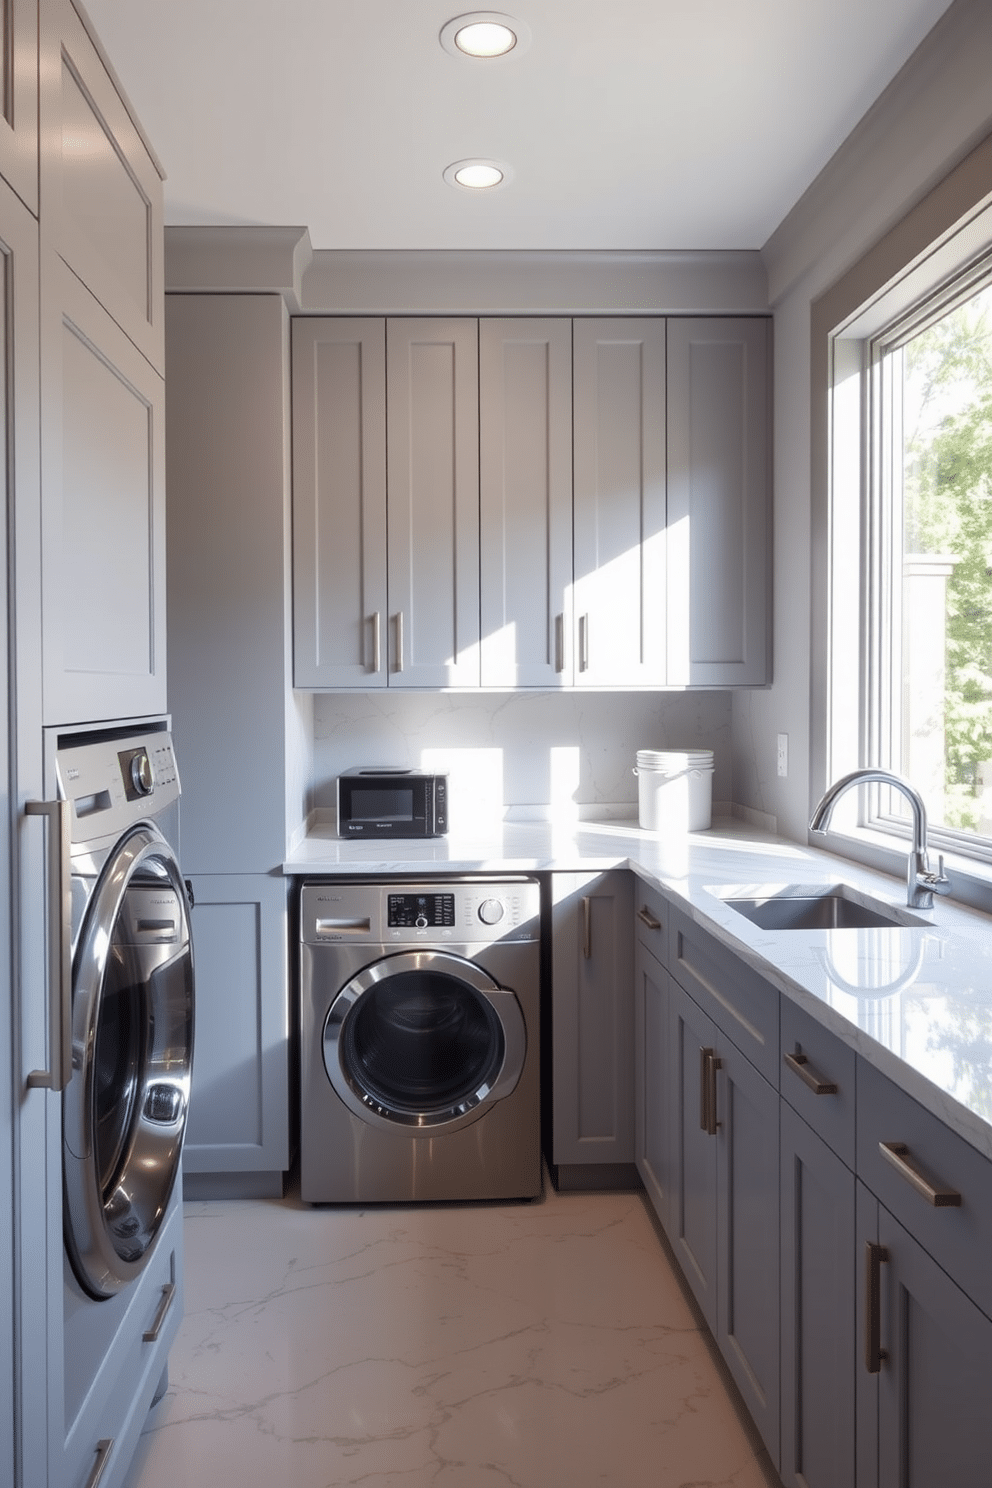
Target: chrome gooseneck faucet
{"type": "Point", "coordinates": [921, 883]}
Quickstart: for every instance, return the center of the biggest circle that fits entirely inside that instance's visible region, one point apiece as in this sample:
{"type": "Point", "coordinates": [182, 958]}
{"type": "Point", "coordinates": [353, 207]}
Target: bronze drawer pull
{"type": "Point", "coordinates": [647, 918]}
{"type": "Point", "coordinates": [799, 1065]}
{"type": "Point", "coordinates": [708, 1066]}
{"type": "Point", "coordinates": [897, 1153]}
{"type": "Point", "coordinates": [875, 1256]}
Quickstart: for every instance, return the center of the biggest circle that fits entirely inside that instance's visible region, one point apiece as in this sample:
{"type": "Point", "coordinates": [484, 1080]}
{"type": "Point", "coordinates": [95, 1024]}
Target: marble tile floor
{"type": "Point", "coordinates": [454, 1346]}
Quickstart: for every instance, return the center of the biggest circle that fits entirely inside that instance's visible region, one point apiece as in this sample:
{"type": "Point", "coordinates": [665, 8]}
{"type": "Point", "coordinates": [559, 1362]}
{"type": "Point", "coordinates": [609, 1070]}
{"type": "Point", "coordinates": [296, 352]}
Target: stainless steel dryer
{"type": "Point", "coordinates": [119, 908]}
{"type": "Point", "coordinates": [419, 1040]}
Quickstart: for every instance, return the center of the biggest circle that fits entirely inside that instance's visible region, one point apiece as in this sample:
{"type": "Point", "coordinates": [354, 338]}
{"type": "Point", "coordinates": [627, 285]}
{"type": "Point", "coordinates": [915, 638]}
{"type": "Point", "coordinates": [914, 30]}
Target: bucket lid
{"type": "Point", "coordinates": [675, 759]}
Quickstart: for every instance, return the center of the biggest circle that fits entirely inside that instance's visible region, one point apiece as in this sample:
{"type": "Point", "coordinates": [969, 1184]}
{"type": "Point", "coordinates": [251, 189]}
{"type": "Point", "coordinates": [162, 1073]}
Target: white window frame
{"type": "Point", "coordinates": [895, 288]}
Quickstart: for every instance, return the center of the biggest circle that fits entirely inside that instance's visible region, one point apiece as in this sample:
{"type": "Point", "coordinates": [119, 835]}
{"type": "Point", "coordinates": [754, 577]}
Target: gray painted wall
{"type": "Point", "coordinates": [933, 113]}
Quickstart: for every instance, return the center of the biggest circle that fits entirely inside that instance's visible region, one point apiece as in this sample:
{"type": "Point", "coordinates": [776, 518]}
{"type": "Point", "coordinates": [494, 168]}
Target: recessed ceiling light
{"type": "Point", "coordinates": [476, 175]}
{"type": "Point", "coordinates": [485, 39]}
{"type": "Point", "coordinates": [484, 34]}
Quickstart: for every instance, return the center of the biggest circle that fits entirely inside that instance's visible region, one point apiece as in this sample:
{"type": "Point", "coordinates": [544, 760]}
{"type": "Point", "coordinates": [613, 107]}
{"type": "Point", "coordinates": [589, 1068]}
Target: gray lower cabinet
{"type": "Point", "coordinates": [652, 1061]}
{"type": "Point", "coordinates": [818, 1310]}
{"type": "Point", "coordinates": [725, 1202]}
{"type": "Point", "coordinates": [237, 1141]}
{"type": "Point", "coordinates": [923, 1403]}
{"type": "Point", "coordinates": [592, 1011]}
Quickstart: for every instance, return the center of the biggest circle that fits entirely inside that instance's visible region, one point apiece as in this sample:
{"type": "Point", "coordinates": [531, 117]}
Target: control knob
{"type": "Point", "coordinates": [142, 779]}
{"type": "Point", "coordinates": [491, 911]}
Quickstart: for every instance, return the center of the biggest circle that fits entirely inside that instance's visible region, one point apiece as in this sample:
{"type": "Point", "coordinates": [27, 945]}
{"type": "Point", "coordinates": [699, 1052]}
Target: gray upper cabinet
{"type": "Point", "coordinates": [619, 503]}
{"type": "Point", "coordinates": [19, 99]}
{"type": "Point", "coordinates": [525, 459]}
{"type": "Point", "coordinates": [101, 186]}
{"type": "Point", "coordinates": [370, 397]}
{"type": "Point", "coordinates": [103, 391]}
{"type": "Point", "coordinates": [103, 517]}
{"type": "Point", "coordinates": [339, 502]}
{"type": "Point", "coordinates": [556, 503]}
{"type": "Point", "coordinates": [718, 502]}
{"type": "Point", "coordinates": [432, 461]}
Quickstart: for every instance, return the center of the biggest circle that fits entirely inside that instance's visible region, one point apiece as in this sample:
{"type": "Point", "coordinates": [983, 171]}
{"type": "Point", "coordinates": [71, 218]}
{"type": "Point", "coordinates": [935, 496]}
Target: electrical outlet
{"type": "Point", "coordinates": [783, 754]}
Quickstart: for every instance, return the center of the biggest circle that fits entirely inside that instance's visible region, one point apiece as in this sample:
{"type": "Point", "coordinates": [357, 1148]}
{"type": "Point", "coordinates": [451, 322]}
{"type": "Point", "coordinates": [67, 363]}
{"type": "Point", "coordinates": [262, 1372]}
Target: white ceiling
{"type": "Point", "coordinates": [628, 124]}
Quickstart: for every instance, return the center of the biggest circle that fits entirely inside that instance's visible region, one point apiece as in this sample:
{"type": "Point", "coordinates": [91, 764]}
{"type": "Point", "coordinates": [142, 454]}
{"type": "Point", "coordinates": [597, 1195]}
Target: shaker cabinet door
{"type": "Point", "coordinates": [923, 1412]}
{"type": "Point", "coordinates": [525, 464]}
{"type": "Point", "coordinates": [339, 502]}
{"type": "Point", "coordinates": [718, 501]}
{"type": "Point", "coordinates": [103, 526]}
{"type": "Point", "coordinates": [620, 509]}
{"type": "Point", "coordinates": [593, 1018]}
{"type": "Point", "coordinates": [818, 1300]}
{"type": "Point", "coordinates": [432, 460]}
{"type": "Point", "coordinates": [101, 186]}
{"type": "Point", "coordinates": [19, 99]}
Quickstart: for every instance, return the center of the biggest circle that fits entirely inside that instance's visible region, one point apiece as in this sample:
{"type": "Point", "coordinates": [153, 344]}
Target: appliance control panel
{"type": "Point", "coordinates": [453, 912]}
{"type": "Point", "coordinates": [420, 911]}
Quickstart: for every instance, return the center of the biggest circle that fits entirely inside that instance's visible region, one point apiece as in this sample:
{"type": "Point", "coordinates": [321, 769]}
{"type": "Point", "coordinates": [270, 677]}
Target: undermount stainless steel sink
{"type": "Point", "coordinates": [804, 907]}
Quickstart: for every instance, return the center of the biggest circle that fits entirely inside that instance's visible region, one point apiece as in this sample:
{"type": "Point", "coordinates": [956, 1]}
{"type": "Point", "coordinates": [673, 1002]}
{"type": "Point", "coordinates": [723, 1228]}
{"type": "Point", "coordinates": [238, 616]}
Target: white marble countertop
{"type": "Point", "coordinates": [915, 1001]}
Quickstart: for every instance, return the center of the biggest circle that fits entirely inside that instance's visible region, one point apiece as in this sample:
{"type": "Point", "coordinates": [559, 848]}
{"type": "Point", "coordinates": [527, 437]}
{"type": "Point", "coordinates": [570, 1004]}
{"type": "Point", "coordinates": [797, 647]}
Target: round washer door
{"type": "Point", "coordinates": [423, 1041]}
{"type": "Point", "coordinates": [124, 1109]}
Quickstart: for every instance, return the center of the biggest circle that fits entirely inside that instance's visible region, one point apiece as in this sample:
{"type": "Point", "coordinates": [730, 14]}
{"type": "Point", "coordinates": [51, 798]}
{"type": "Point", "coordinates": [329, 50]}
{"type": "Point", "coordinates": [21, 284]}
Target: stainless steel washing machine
{"type": "Point", "coordinates": [419, 1051]}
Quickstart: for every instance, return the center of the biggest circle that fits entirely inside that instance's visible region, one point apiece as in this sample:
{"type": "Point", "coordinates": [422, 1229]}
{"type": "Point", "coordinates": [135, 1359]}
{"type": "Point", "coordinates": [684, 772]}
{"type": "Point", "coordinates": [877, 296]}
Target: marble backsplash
{"type": "Point", "coordinates": [520, 754]}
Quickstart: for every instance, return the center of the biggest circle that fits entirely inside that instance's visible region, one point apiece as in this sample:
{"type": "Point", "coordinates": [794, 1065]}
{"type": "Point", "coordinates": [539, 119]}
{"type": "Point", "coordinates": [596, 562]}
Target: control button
{"type": "Point", "coordinates": [421, 922]}
{"type": "Point", "coordinates": [491, 911]}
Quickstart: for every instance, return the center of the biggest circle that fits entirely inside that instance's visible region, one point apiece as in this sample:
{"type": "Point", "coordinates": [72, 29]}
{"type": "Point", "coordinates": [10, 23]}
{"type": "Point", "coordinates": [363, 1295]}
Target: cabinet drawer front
{"type": "Point", "coordinates": [957, 1235]}
{"type": "Point", "coordinates": [739, 1001]}
{"type": "Point", "coordinates": [651, 920]}
{"type": "Point", "coordinates": [813, 1058]}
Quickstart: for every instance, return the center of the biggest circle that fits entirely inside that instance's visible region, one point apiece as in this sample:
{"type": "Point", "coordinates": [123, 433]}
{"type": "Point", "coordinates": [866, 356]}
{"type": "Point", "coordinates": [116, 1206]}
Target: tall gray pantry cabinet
{"type": "Point", "coordinates": [236, 722]}
{"type": "Point", "coordinates": [81, 316]}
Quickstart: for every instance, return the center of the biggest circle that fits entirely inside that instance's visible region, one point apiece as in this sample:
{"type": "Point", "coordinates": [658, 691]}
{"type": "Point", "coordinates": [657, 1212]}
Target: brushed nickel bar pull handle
{"type": "Point", "coordinates": [583, 643]}
{"type": "Point", "coordinates": [559, 643]}
{"type": "Point", "coordinates": [875, 1256]}
{"type": "Point", "coordinates": [103, 1451]}
{"type": "Point", "coordinates": [799, 1065]}
{"type": "Point", "coordinates": [376, 641]}
{"type": "Point", "coordinates": [647, 918]}
{"type": "Point", "coordinates": [59, 814]}
{"type": "Point", "coordinates": [587, 927]}
{"type": "Point", "coordinates": [168, 1297]}
{"type": "Point", "coordinates": [399, 640]}
{"type": "Point", "coordinates": [897, 1153]}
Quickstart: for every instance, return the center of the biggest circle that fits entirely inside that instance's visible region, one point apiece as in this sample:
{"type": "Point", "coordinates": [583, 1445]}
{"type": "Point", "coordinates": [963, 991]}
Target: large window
{"type": "Point", "coordinates": [926, 567]}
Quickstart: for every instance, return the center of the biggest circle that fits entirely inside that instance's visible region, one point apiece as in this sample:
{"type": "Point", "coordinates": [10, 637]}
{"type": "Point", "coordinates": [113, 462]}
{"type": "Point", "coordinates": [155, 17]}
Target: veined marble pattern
{"type": "Point", "coordinates": [450, 1346]}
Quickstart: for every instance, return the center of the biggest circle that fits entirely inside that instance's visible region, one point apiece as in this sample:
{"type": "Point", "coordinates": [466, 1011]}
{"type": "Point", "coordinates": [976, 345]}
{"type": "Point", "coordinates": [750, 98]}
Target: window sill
{"type": "Point", "coordinates": [971, 878]}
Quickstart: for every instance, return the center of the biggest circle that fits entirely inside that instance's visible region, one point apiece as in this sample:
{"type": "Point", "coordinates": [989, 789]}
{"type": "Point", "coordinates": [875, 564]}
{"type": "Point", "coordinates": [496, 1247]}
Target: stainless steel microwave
{"type": "Point", "coordinates": [381, 801]}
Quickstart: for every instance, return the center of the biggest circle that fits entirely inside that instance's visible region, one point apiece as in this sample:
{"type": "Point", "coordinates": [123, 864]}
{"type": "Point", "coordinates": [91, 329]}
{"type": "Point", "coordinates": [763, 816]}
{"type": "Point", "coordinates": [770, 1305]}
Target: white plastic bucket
{"type": "Point", "coordinates": [674, 789]}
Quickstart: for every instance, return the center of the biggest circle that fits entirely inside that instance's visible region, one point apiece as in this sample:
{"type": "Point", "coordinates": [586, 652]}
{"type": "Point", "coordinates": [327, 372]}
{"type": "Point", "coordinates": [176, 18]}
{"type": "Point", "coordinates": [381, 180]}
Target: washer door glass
{"type": "Point", "coordinates": [124, 1110]}
{"type": "Point", "coordinates": [423, 1040]}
